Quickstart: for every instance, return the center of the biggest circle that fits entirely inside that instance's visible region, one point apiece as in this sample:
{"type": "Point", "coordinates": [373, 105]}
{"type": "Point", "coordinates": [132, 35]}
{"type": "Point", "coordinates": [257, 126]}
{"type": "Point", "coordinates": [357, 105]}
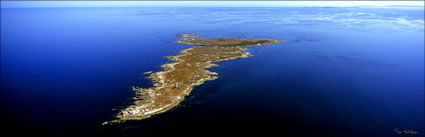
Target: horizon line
{"type": "Point", "coordinates": [63, 4]}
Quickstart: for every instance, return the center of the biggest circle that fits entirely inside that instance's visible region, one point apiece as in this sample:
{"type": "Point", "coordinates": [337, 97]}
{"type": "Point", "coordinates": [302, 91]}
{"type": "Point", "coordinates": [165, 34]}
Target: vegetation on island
{"type": "Point", "coordinates": [189, 70]}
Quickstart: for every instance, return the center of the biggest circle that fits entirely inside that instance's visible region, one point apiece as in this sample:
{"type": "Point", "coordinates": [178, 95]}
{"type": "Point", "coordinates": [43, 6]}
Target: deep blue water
{"type": "Point", "coordinates": [342, 72]}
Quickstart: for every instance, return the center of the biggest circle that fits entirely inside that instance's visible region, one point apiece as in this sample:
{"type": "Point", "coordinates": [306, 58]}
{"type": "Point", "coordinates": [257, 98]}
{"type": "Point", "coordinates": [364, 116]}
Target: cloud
{"type": "Point", "coordinates": [25, 4]}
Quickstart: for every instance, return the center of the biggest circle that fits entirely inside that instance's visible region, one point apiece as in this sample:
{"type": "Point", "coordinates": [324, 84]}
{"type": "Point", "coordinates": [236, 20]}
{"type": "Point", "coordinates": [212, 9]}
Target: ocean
{"type": "Point", "coordinates": [343, 72]}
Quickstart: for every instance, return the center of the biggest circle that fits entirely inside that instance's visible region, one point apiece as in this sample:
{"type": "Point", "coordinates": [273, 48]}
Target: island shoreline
{"type": "Point", "coordinates": [188, 70]}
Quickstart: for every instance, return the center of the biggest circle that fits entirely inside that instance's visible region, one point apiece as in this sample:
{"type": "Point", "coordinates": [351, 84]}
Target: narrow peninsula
{"type": "Point", "coordinates": [187, 71]}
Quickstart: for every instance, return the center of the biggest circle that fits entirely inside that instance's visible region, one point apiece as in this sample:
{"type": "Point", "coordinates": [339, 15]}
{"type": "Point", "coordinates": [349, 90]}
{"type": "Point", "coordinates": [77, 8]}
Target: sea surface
{"type": "Point", "coordinates": [343, 72]}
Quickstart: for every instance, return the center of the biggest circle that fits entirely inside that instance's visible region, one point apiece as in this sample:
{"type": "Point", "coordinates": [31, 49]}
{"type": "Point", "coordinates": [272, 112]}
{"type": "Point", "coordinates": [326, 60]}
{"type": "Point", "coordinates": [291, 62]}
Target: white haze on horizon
{"type": "Point", "coordinates": [48, 4]}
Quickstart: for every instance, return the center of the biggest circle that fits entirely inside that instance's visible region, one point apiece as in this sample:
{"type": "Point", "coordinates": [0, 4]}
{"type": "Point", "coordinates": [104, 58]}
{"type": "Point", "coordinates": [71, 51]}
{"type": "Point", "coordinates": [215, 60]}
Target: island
{"type": "Point", "coordinates": [188, 70]}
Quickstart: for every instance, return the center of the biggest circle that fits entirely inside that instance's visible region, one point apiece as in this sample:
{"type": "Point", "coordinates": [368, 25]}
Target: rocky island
{"type": "Point", "coordinates": [187, 71]}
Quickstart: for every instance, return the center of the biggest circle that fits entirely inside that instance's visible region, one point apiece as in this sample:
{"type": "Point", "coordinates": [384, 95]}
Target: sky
{"type": "Point", "coordinates": [32, 4]}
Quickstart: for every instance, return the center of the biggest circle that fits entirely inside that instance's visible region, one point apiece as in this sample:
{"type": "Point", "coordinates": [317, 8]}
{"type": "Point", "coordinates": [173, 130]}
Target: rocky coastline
{"type": "Point", "coordinates": [187, 71]}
